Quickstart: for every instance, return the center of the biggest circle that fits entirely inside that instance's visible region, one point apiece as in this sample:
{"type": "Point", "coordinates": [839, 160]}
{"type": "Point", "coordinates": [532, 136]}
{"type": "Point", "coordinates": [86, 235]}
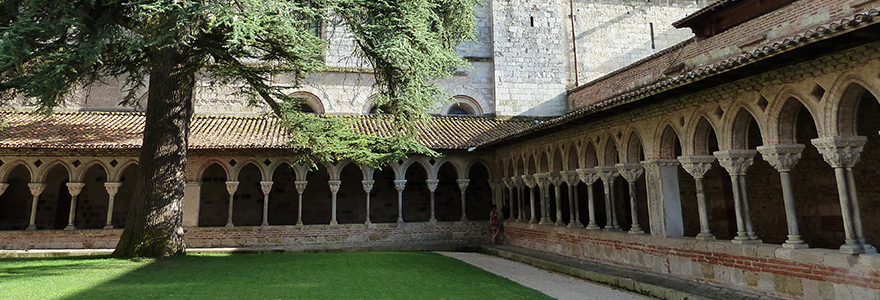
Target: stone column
{"type": "Point", "coordinates": [432, 186]}
{"type": "Point", "coordinates": [543, 181]}
{"type": "Point", "coordinates": [300, 188]}
{"type": "Point", "coordinates": [334, 188]}
{"type": "Point", "coordinates": [368, 187]}
{"type": "Point", "coordinates": [3, 187]}
{"type": "Point", "coordinates": [74, 188]}
{"type": "Point", "coordinates": [530, 182]}
{"type": "Point", "coordinates": [511, 196]}
{"type": "Point", "coordinates": [571, 178]}
{"type": "Point", "coordinates": [608, 174]}
{"type": "Point", "coordinates": [556, 180]}
{"type": "Point", "coordinates": [631, 172]}
{"type": "Point", "coordinates": [112, 188]}
{"type": "Point", "coordinates": [400, 184]}
{"type": "Point", "coordinates": [697, 166]}
{"type": "Point", "coordinates": [842, 153]}
{"type": "Point", "coordinates": [737, 162]}
{"type": "Point", "coordinates": [266, 187]}
{"type": "Point", "coordinates": [462, 186]}
{"type": "Point", "coordinates": [664, 197]}
{"type": "Point", "coordinates": [519, 184]}
{"type": "Point", "coordinates": [231, 187]}
{"type": "Point", "coordinates": [588, 177]}
{"type": "Point", "coordinates": [783, 158]}
{"type": "Point", "coordinates": [36, 190]}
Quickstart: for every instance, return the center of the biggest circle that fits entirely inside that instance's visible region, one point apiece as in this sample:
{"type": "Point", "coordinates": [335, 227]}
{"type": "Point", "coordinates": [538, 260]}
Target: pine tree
{"type": "Point", "coordinates": [50, 48]}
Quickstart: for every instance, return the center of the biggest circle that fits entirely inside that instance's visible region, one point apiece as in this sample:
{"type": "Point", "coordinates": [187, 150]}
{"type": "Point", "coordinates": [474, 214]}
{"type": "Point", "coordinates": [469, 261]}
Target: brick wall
{"type": "Point", "coordinates": [766, 269]}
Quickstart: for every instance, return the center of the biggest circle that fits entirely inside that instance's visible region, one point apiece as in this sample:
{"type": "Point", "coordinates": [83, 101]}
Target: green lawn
{"type": "Point", "coordinates": [362, 275]}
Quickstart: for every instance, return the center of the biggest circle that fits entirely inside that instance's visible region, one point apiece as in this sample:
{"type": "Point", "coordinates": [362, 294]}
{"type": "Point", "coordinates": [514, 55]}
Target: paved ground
{"type": "Point", "coordinates": [552, 284]}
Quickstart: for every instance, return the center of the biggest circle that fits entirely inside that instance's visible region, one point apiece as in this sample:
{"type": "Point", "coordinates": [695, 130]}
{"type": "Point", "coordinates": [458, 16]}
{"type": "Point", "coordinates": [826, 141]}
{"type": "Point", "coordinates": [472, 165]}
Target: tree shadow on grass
{"type": "Point", "coordinates": [11, 268]}
{"type": "Point", "coordinates": [366, 275]}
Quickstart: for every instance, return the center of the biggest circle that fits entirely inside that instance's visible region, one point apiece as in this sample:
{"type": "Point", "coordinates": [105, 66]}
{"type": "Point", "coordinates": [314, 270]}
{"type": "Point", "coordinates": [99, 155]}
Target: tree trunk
{"type": "Point", "coordinates": [154, 227]}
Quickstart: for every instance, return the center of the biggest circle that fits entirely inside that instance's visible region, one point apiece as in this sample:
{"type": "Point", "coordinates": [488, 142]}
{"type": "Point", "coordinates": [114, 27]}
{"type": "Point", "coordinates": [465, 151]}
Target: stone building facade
{"type": "Point", "coordinates": [742, 155]}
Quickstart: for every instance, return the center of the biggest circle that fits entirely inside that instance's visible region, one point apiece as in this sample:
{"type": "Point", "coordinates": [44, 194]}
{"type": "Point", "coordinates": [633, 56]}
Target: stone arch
{"type": "Point", "coordinates": [283, 198]}
{"type": "Point", "coordinates": [842, 106]}
{"type": "Point", "coordinates": [667, 141]}
{"type": "Point", "coordinates": [92, 202]}
{"type": "Point", "coordinates": [448, 204]}
{"type": "Point", "coordinates": [591, 156]}
{"type": "Point", "coordinates": [736, 128]}
{"type": "Point", "coordinates": [462, 105]}
{"type": "Point", "coordinates": [784, 110]}
{"type": "Point", "coordinates": [226, 168]}
{"type": "Point", "coordinates": [79, 176]}
{"type": "Point", "coordinates": [116, 173]}
{"type": "Point", "coordinates": [460, 171]}
{"type": "Point", "coordinates": [350, 199]}
{"type": "Point", "coordinates": [542, 160]}
{"type": "Point", "coordinates": [531, 166]}
{"type": "Point", "coordinates": [311, 103]}
{"type": "Point", "coordinates": [55, 198]}
{"type": "Point", "coordinates": [609, 155]}
{"type": "Point", "coordinates": [416, 196]}
{"type": "Point", "coordinates": [403, 168]}
{"type": "Point", "coordinates": [478, 193]}
{"type": "Point", "coordinates": [701, 136]}
{"type": "Point", "coordinates": [7, 168]}
{"type": "Point", "coordinates": [470, 165]}
{"type": "Point", "coordinates": [243, 164]}
{"type": "Point", "coordinates": [634, 152]}
{"type": "Point", "coordinates": [570, 157]}
{"type": "Point", "coordinates": [15, 202]}
{"type": "Point", "coordinates": [278, 163]}
{"type": "Point", "coordinates": [42, 173]}
{"type": "Point", "coordinates": [558, 161]}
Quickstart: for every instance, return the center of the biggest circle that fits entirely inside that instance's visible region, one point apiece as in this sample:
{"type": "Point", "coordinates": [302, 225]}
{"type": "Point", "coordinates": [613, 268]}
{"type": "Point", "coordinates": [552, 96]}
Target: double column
{"type": "Point", "coordinates": [608, 174]}
{"type": "Point", "coordinates": [737, 162]}
{"type": "Point", "coordinates": [74, 188]}
{"type": "Point", "coordinates": [842, 153]}
{"type": "Point", "coordinates": [783, 158]}
{"type": "Point", "coordinates": [589, 176]}
{"type": "Point", "coordinates": [543, 181]}
{"type": "Point", "coordinates": [112, 188]}
{"type": "Point", "coordinates": [556, 180]}
{"type": "Point", "coordinates": [631, 172]}
{"type": "Point", "coordinates": [36, 189]}
{"type": "Point", "coordinates": [574, 216]}
{"type": "Point", "coordinates": [530, 182]}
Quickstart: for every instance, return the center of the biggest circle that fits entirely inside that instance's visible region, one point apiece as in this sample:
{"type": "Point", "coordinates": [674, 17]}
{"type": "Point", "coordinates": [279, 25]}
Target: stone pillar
{"type": "Point", "coordinates": [571, 178]}
{"type": "Point", "coordinates": [112, 188]}
{"type": "Point", "coordinates": [231, 187]}
{"type": "Point", "coordinates": [368, 187]}
{"type": "Point", "coordinates": [631, 172]}
{"type": "Point", "coordinates": [543, 181]}
{"type": "Point", "coordinates": [74, 188]}
{"type": "Point", "coordinates": [737, 162]}
{"type": "Point", "coordinates": [432, 186]}
{"type": "Point", "coordinates": [300, 188]}
{"type": "Point", "coordinates": [842, 153]}
{"type": "Point", "coordinates": [588, 177]}
{"type": "Point", "coordinates": [556, 180]}
{"type": "Point", "coordinates": [36, 190]}
{"type": "Point", "coordinates": [462, 186]}
{"type": "Point", "coordinates": [664, 198]}
{"type": "Point", "coordinates": [519, 184]}
{"type": "Point", "coordinates": [530, 182]}
{"type": "Point", "coordinates": [334, 188]}
{"type": "Point", "coordinates": [608, 174]}
{"type": "Point", "coordinates": [3, 187]}
{"type": "Point", "coordinates": [400, 184]}
{"type": "Point", "coordinates": [510, 198]}
{"type": "Point", "coordinates": [783, 158]}
{"type": "Point", "coordinates": [266, 187]}
{"type": "Point", "coordinates": [697, 166]}
{"type": "Point", "coordinates": [192, 193]}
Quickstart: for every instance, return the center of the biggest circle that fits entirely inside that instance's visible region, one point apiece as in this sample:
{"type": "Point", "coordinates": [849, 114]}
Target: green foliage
{"type": "Point", "coordinates": [49, 48]}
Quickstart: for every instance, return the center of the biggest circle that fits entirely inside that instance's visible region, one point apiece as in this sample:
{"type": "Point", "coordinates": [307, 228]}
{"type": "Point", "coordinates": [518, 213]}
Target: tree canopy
{"type": "Point", "coordinates": [50, 48]}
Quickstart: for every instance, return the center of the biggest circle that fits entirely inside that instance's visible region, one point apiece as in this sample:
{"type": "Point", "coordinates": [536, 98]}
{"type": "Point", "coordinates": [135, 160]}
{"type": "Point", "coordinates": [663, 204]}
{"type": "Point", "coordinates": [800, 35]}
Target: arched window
{"type": "Point", "coordinates": [310, 103]}
{"type": "Point", "coordinates": [463, 106]}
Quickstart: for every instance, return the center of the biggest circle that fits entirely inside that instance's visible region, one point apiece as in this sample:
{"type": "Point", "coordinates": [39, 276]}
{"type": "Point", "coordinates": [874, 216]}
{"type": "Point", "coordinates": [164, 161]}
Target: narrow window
{"type": "Point", "coordinates": [532, 21]}
{"type": "Point", "coordinates": [652, 35]}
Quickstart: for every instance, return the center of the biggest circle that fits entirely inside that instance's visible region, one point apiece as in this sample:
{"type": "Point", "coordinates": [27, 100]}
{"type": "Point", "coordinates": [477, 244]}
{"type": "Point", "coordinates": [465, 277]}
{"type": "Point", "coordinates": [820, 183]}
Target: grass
{"type": "Point", "coordinates": [363, 275]}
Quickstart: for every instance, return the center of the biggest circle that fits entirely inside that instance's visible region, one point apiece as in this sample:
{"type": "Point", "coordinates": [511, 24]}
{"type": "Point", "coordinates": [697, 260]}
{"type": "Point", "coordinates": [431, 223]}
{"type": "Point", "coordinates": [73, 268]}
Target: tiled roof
{"type": "Point", "coordinates": [123, 130]}
{"type": "Point", "coordinates": [733, 62]}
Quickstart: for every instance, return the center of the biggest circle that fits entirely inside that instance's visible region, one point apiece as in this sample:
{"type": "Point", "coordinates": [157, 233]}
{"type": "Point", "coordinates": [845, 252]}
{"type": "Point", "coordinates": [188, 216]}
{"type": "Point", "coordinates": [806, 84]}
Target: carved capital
{"type": "Point", "coordinates": [607, 173]}
{"type": "Point", "coordinates": [529, 180]}
{"type": "Point", "coordinates": [36, 188]}
{"type": "Point", "coordinates": [736, 161]}
{"type": "Point", "coordinates": [400, 184]}
{"type": "Point", "coordinates": [368, 185]}
{"type": "Point", "coordinates": [463, 183]}
{"type": "Point", "coordinates": [696, 165]}
{"type": "Point", "coordinates": [508, 183]}
{"type": "Point", "coordinates": [112, 187]}
{"type": "Point", "coordinates": [630, 171]}
{"type": "Point", "coordinates": [588, 176]}
{"type": "Point", "coordinates": [334, 185]}
{"type": "Point", "coordinates": [840, 151]}
{"type": "Point", "coordinates": [266, 187]}
{"type": "Point", "coordinates": [432, 184]}
{"type": "Point", "coordinates": [3, 187]}
{"type": "Point", "coordinates": [300, 185]}
{"type": "Point", "coordinates": [569, 177]}
{"type": "Point", "coordinates": [75, 188]}
{"type": "Point", "coordinates": [543, 180]}
{"type": "Point", "coordinates": [231, 187]}
{"type": "Point", "coordinates": [782, 157]}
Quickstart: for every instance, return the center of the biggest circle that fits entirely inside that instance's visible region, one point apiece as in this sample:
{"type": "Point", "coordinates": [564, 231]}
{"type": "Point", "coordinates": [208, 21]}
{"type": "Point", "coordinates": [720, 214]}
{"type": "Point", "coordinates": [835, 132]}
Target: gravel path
{"type": "Point", "coordinates": [552, 284]}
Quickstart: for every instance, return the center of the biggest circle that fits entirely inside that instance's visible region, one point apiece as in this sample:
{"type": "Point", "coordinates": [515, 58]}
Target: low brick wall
{"type": "Point", "coordinates": [308, 237]}
{"type": "Point", "coordinates": [763, 268]}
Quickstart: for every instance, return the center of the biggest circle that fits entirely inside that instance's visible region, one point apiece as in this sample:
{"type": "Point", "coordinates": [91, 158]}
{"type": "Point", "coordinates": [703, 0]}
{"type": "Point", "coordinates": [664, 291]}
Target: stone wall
{"type": "Point", "coordinates": [762, 268]}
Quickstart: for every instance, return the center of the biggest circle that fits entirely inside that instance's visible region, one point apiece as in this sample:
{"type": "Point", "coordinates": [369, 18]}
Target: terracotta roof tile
{"type": "Point", "coordinates": [123, 130]}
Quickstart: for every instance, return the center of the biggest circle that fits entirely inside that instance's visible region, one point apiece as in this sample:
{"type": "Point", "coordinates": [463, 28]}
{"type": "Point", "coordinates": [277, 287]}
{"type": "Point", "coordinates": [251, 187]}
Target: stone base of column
{"type": "Point", "coordinates": [613, 229]}
{"type": "Point", "coordinates": [433, 220]}
{"type": "Point", "coordinates": [593, 227]}
{"type": "Point", "coordinates": [636, 231]}
{"type": "Point", "coordinates": [747, 241]}
{"type": "Point", "coordinates": [464, 219]}
{"type": "Point", "coordinates": [533, 221]}
{"type": "Point", "coordinates": [858, 249]}
{"type": "Point", "coordinates": [264, 225]}
{"type": "Point", "coordinates": [229, 225]}
{"type": "Point", "coordinates": [333, 222]}
{"type": "Point", "coordinates": [545, 222]}
{"type": "Point", "coordinates": [70, 227]}
{"type": "Point", "coordinates": [400, 221]}
{"type": "Point", "coordinates": [800, 245]}
{"type": "Point", "coordinates": [559, 223]}
{"type": "Point", "coordinates": [108, 226]}
{"type": "Point", "coordinates": [299, 223]}
{"type": "Point", "coordinates": [31, 227]}
{"type": "Point", "coordinates": [575, 225]}
{"type": "Point", "coordinates": [367, 222]}
{"type": "Point", "coordinates": [705, 237]}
